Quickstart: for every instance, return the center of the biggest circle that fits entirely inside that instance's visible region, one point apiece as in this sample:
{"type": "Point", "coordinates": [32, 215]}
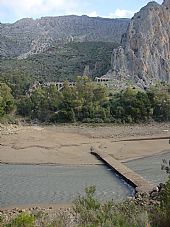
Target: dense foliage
{"type": "Point", "coordinates": [83, 101]}
{"type": "Point", "coordinates": [89, 102]}
{"type": "Point", "coordinates": [61, 62]}
{"type": "Point", "coordinates": [130, 106]}
{"type": "Point", "coordinates": [86, 102]}
{"type": "Point", "coordinates": [7, 104]}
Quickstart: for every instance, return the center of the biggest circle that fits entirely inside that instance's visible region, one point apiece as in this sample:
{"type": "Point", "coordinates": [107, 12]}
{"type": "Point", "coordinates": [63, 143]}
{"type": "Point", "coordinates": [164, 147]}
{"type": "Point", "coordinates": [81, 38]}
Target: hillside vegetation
{"type": "Point", "coordinates": [86, 102]}
{"type": "Point", "coordinates": [61, 63]}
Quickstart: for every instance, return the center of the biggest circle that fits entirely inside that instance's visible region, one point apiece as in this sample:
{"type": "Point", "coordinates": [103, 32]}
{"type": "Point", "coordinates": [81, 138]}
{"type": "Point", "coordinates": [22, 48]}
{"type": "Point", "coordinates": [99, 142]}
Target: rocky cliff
{"type": "Point", "coordinates": [144, 54]}
{"type": "Point", "coordinates": [28, 36]}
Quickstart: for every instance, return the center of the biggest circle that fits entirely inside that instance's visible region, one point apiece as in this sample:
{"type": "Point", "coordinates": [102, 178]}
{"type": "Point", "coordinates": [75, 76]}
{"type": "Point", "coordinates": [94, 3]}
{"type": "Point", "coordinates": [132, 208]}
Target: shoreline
{"type": "Point", "coordinates": [70, 145]}
{"type": "Point", "coordinates": [51, 206]}
{"type": "Point", "coordinates": [80, 165]}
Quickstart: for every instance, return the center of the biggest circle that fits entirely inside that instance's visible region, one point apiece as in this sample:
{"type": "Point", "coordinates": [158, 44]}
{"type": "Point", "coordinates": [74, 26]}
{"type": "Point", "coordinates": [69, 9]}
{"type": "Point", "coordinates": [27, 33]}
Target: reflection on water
{"type": "Point", "coordinates": [150, 167]}
{"type": "Point", "coordinates": [31, 184]}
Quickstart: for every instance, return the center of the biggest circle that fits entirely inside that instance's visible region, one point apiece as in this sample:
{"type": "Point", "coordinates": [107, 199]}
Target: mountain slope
{"type": "Point", "coordinates": [60, 63]}
{"type": "Point", "coordinates": [27, 36]}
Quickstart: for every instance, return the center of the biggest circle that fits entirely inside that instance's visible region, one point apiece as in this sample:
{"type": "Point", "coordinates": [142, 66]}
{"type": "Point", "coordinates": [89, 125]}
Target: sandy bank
{"type": "Point", "coordinates": [70, 145]}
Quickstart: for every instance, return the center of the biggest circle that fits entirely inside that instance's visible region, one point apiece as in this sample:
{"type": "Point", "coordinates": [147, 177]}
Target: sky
{"type": "Point", "coordinates": [13, 10]}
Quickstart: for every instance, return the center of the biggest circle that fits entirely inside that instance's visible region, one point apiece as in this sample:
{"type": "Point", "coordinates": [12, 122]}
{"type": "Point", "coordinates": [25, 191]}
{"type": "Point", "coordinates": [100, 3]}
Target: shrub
{"type": "Point", "coordinates": [92, 120]}
{"type": "Point", "coordinates": [23, 220]}
{"type": "Point", "coordinates": [98, 120]}
{"type": "Point", "coordinates": [165, 196]}
{"type": "Point", "coordinates": [1, 221]}
{"type": "Point", "coordinates": [90, 212]}
{"type": "Point", "coordinates": [107, 120]}
{"type": "Point", "coordinates": [165, 203]}
{"type": "Point", "coordinates": [87, 120]}
{"type": "Point", "coordinates": [161, 216]}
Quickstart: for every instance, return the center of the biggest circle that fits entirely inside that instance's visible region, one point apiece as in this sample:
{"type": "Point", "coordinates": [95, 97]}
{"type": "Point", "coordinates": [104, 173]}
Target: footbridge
{"type": "Point", "coordinates": [131, 177]}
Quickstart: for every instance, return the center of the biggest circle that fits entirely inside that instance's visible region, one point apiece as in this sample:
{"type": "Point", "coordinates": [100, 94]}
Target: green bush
{"type": "Point", "coordinates": [165, 203]}
{"type": "Point", "coordinates": [165, 196]}
{"type": "Point", "coordinates": [90, 212]}
{"type": "Point", "coordinates": [8, 119]}
{"type": "Point", "coordinates": [7, 102]}
{"type": "Point", "coordinates": [1, 221]}
{"type": "Point", "coordinates": [87, 120]}
{"type": "Point", "coordinates": [107, 120]}
{"type": "Point", "coordinates": [23, 220]}
{"type": "Point", "coordinates": [161, 214]}
{"type": "Point", "coordinates": [97, 120]}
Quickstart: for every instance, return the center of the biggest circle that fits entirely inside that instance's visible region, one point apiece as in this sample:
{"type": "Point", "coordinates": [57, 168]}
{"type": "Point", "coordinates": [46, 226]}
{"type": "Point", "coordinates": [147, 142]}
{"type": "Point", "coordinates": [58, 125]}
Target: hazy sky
{"type": "Point", "coordinates": [12, 10]}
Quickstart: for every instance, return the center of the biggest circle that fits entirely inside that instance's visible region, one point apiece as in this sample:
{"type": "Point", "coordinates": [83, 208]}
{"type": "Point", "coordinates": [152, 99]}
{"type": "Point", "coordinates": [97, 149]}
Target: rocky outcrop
{"type": "Point", "coordinates": [27, 36]}
{"type": "Point", "coordinates": [149, 199]}
{"type": "Point", "coordinates": [39, 45]}
{"type": "Point", "coordinates": [144, 54]}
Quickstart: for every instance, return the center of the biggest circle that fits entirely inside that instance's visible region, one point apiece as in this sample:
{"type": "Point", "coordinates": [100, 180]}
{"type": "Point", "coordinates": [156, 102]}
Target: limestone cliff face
{"type": "Point", "coordinates": [144, 54]}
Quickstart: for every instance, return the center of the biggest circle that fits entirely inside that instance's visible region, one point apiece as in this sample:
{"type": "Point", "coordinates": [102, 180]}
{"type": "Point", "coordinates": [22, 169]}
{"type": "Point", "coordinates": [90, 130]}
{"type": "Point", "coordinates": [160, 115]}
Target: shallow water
{"type": "Point", "coordinates": [150, 167]}
{"type": "Point", "coordinates": [35, 184]}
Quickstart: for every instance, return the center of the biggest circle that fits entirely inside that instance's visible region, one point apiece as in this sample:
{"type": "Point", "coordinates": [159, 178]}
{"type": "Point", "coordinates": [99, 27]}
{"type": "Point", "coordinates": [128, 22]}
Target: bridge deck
{"type": "Point", "coordinates": [131, 177]}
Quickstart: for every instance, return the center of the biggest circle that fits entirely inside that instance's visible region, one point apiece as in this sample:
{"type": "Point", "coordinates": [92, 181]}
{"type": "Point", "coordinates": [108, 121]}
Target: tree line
{"type": "Point", "coordinates": [87, 102]}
